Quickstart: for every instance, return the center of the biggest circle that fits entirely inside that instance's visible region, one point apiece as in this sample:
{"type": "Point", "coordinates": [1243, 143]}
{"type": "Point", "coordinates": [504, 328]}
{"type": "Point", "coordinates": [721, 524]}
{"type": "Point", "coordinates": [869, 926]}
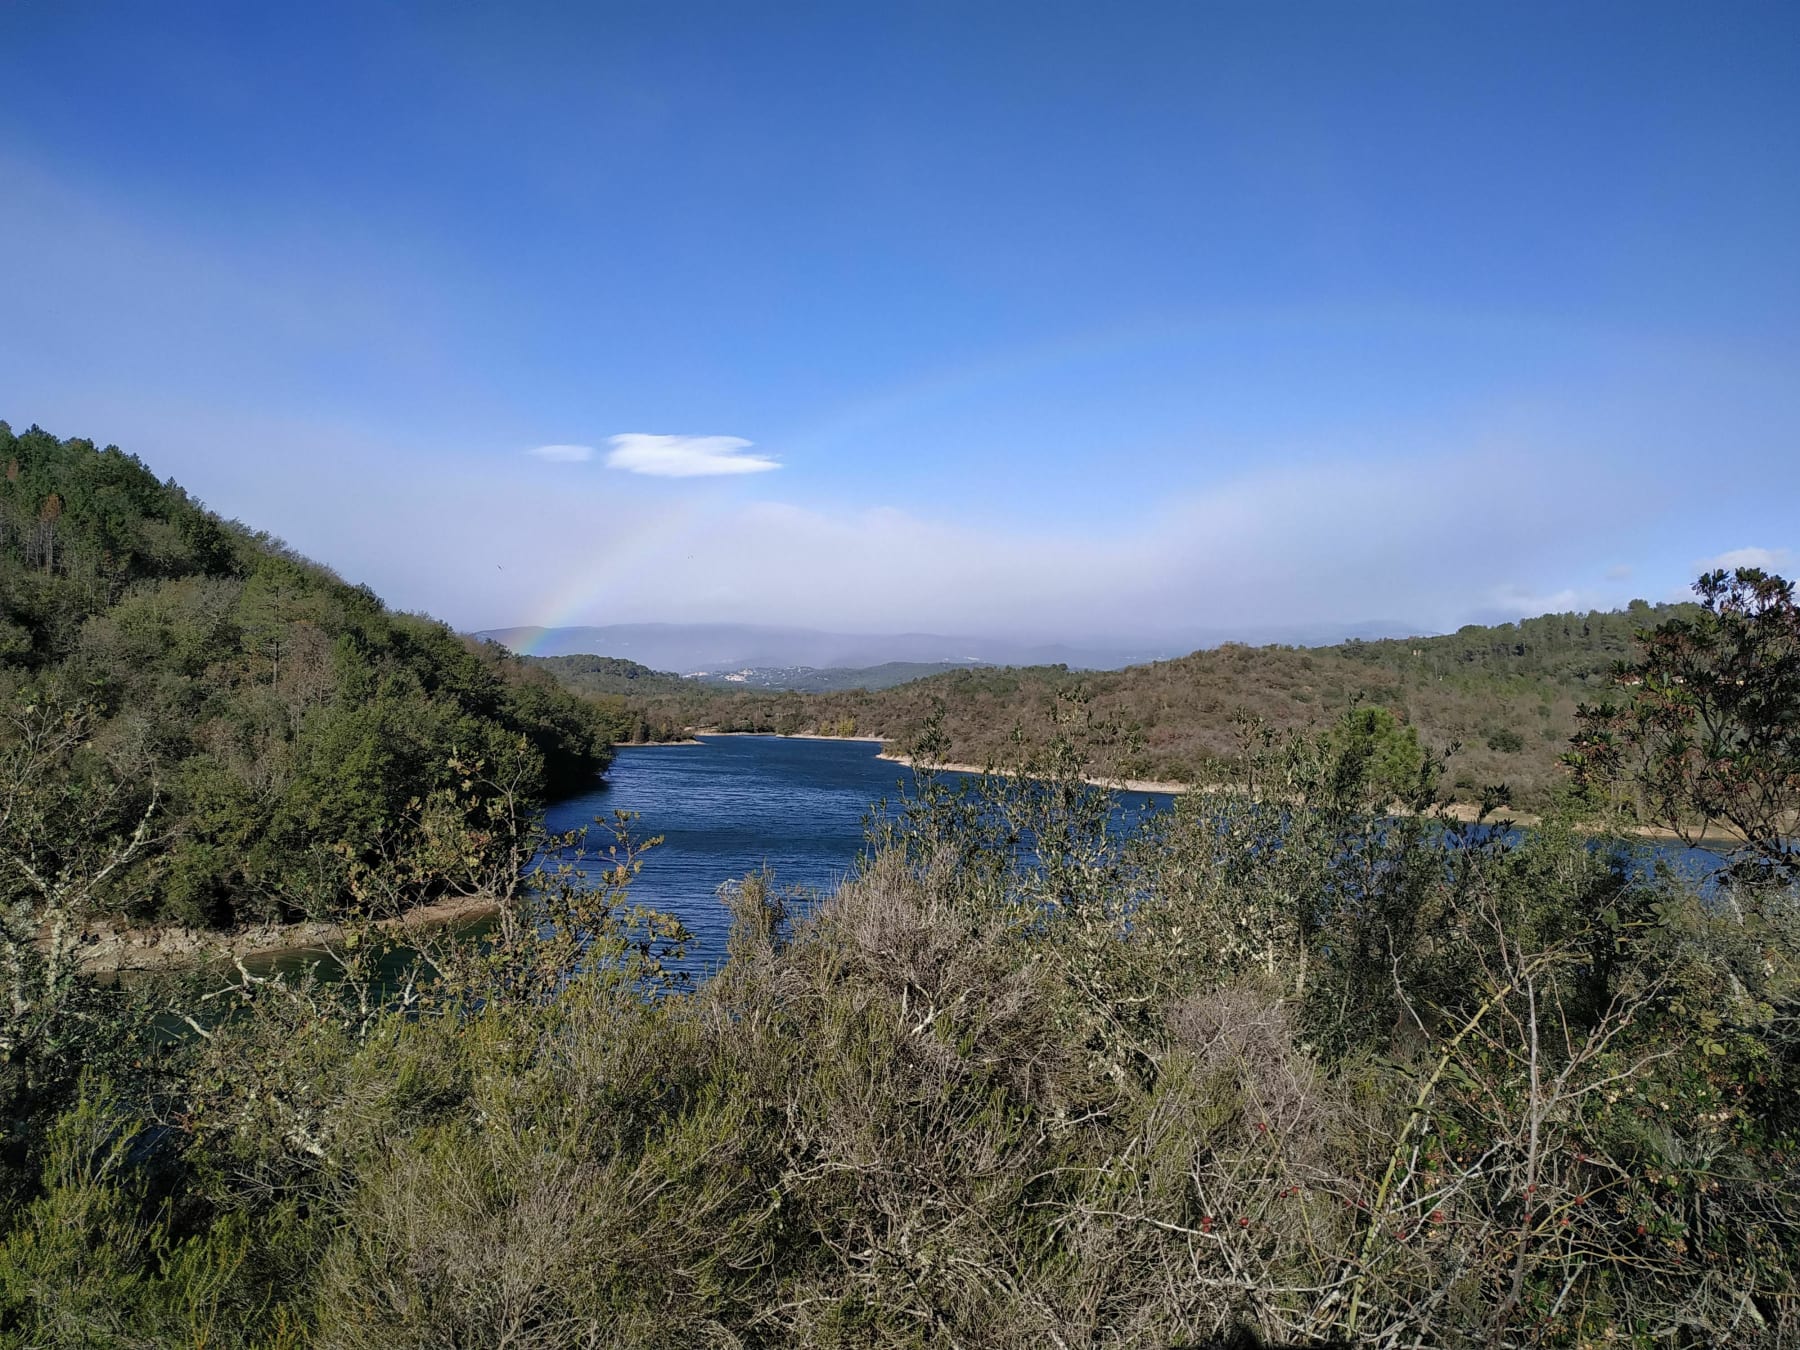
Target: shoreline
{"type": "Point", "coordinates": [791, 736]}
{"type": "Point", "coordinates": [1465, 812]}
{"type": "Point", "coordinates": [106, 950]}
{"type": "Point", "coordinates": [1114, 784]}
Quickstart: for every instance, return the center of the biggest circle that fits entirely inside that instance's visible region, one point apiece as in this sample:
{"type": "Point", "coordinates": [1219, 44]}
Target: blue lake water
{"type": "Point", "coordinates": [731, 805]}
{"type": "Point", "coordinates": [734, 804]}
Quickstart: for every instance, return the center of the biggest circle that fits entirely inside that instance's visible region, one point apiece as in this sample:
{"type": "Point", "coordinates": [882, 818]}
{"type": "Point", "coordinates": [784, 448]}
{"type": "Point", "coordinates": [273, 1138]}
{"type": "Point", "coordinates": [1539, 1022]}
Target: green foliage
{"type": "Point", "coordinates": [95, 1259]}
{"type": "Point", "coordinates": [609, 675]}
{"type": "Point", "coordinates": [1506, 741]}
{"type": "Point", "coordinates": [1377, 753]}
{"type": "Point", "coordinates": [1709, 731]}
{"type": "Point", "coordinates": [1472, 692]}
{"type": "Point", "coordinates": [1349, 1076]}
{"type": "Point", "coordinates": [617, 689]}
{"type": "Point", "coordinates": [282, 720]}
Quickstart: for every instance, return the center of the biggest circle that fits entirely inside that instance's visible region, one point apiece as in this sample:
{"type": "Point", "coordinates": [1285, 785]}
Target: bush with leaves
{"type": "Point", "coordinates": [286, 718]}
{"type": "Point", "coordinates": [1039, 1073]}
{"type": "Point", "coordinates": [1707, 737]}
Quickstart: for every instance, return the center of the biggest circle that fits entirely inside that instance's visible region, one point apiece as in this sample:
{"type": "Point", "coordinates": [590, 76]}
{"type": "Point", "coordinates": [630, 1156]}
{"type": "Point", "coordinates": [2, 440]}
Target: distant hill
{"type": "Point", "coordinates": [689, 648]}
{"type": "Point", "coordinates": [596, 676]}
{"type": "Point", "coordinates": [1505, 695]}
{"type": "Point", "coordinates": [590, 675]}
{"type": "Point", "coordinates": [806, 680]}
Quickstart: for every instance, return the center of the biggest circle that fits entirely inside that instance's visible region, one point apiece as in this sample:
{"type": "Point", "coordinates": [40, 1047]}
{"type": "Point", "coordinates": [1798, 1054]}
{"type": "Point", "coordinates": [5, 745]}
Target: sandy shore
{"type": "Point", "coordinates": [1456, 810]}
{"type": "Point", "coordinates": [1116, 784]}
{"type": "Point", "coordinates": [792, 736]}
{"type": "Point", "coordinates": [1460, 811]}
{"type": "Point", "coordinates": [106, 949]}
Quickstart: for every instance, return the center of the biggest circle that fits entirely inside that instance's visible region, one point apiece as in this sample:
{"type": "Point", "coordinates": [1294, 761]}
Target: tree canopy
{"type": "Point", "coordinates": [1707, 733]}
{"type": "Point", "coordinates": [1501, 701]}
{"type": "Point", "coordinates": [276, 726]}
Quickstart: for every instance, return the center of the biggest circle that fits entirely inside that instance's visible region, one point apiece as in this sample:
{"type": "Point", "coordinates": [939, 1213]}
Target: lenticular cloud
{"type": "Point", "coordinates": [685, 456]}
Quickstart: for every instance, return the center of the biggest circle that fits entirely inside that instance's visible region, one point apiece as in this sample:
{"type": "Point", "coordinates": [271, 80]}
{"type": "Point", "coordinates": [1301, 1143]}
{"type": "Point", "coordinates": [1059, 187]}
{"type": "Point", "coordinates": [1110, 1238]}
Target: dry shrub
{"type": "Point", "coordinates": [936, 1110]}
{"type": "Point", "coordinates": [953, 982]}
{"type": "Point", "coordinates": [926, 1087]}
{"type": "Point", "coordinates": [1242, 1036]}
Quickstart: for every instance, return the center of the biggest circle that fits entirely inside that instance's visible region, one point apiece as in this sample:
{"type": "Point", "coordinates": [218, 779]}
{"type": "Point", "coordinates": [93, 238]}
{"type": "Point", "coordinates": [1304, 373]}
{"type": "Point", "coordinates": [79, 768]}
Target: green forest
{"type": "Point", "coordinates": [1278, 1067]}
{"type": "Point", "coordinates": [271, 732]}
{"type": "Point", "coordinates": [1505, 698]}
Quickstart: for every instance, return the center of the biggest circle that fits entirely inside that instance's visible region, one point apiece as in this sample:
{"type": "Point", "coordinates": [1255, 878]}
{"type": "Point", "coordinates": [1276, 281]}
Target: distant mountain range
{"type": "Point", "coordinates": [808, 680]}
{"type": "Point", "coordinates": [719, 649]}
{"type": "Point", "coordinates": [604, 675]}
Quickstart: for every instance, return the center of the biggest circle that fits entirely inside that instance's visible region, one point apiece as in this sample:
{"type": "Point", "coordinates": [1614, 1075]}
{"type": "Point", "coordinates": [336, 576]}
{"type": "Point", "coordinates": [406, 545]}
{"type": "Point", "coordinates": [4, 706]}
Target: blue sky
{"type": "Point", "coordinates": [1073, 320]}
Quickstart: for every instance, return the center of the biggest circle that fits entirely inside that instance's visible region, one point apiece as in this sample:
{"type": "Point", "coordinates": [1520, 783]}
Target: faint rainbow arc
{"type": "Point", "coordinates": [574, 600]}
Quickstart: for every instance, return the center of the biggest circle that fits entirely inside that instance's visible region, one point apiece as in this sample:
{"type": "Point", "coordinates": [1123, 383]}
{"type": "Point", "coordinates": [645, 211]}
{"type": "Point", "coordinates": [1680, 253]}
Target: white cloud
{"type": "Point", "coordinates": [1425, 541]}
{"type": "Point", "coordinates": [1524, 603]}
{"type": "Point", "coordinates": [563, 454]}
{"type": "Point", "coordinates": [685, 456]}
{"type": "Point", "coordinates": [1619, 572]}
{"type": "Point", "coordinates": [1768, 559]}
{"type": "Point", "coordinates": [1291, 547]}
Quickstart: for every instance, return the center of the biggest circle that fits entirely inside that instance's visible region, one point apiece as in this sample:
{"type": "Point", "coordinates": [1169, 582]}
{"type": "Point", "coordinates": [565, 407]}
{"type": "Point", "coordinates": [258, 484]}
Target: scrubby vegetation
{"type": "Point", "coordinates": [1277, 1063]}
{"type": "Point", "coordinates": [1038, 1074]}
{"type": "Point", "coordinates": [1504, 697]}
{"type": "Point", "coordinates": [267, 732]}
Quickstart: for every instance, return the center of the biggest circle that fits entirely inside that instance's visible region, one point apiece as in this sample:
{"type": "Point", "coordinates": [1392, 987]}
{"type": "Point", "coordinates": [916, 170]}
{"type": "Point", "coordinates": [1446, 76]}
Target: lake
{"type": "Point", "coordinates": [726, 808]}
{"type": "Point", "coordinates": [734, 804]}
{"type": "Point", "coordinates": [731, 805]}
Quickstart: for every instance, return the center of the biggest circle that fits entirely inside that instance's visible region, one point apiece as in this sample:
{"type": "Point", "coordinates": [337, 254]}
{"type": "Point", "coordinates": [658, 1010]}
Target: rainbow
{"type": "Point", "coordinates": [572, 600]}
{"type": "Point", "coordinates": [614, 549]}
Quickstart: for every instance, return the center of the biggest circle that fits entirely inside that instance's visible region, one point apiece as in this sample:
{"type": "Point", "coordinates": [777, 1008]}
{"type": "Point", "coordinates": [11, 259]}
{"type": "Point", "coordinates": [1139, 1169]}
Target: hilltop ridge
{"type": "Point", "coordinates": [1505, 696]}
{"type": "Point", "coordinates": [275, 731]}
{"type": "Point", "coordinates": [685, 648]}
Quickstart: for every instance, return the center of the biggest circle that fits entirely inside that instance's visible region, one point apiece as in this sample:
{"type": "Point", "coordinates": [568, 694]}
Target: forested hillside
{"type": "Point", "coordinates": [601, 675]}
{"type": "Point", "coordinates": [604, 675]}
{"type": "Point", "coordinates": [1505, 695]}
{"type": "Point", "coordinates": [623, 692]}
{"type": "Point", "coordinates": [1271, 1067]}
{"type": "Point", "coordinates": [267, 732]}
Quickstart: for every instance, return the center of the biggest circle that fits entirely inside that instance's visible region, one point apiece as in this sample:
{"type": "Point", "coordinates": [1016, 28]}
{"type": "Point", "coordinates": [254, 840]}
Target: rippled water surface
{"type": "Point", "coordinates": [731, 805]}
